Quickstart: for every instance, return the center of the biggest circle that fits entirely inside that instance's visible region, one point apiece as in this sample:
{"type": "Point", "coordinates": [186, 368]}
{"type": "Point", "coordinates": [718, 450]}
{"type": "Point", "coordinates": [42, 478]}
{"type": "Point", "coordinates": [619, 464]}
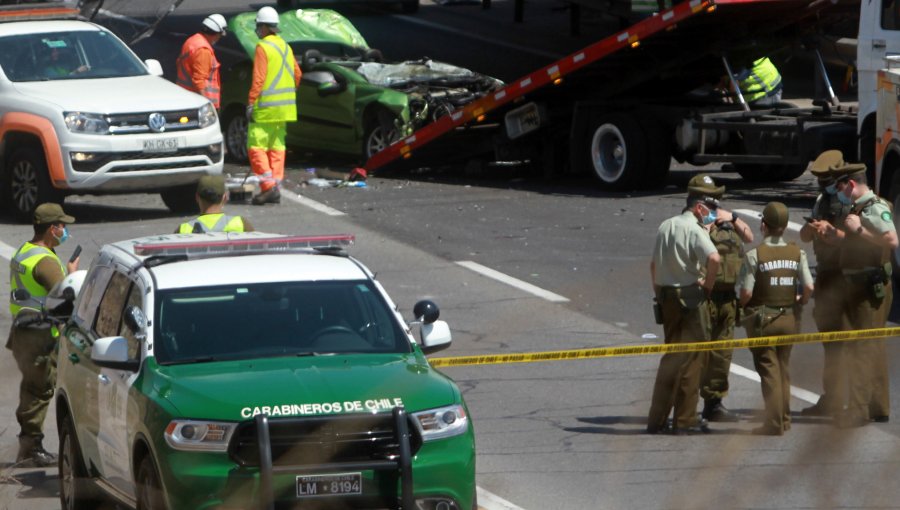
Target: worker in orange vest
{"type": "Point", "coordinates": [198, 68]}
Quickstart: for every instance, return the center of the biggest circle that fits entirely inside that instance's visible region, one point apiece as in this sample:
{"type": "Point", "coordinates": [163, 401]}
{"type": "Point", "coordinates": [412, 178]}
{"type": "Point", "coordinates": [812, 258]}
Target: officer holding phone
{"type": "Point", "coordinates": [36, 268]}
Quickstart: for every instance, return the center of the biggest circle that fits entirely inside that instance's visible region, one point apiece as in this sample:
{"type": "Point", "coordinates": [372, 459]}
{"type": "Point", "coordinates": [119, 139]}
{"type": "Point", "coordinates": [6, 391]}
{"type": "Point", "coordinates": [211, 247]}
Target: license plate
{"type": "Point", "coordinates": [341, 484]}
{"type": "Point", "coordinates": [523, 120]}
{"type": "Point", "coordinates": [161, 145]}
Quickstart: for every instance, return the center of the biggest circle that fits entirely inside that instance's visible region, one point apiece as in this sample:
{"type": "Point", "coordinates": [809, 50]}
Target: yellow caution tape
{"type": "Point", "coordinates": [640, 350]}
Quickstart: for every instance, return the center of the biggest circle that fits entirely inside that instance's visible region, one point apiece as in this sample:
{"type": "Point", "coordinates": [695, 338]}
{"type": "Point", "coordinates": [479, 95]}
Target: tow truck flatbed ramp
{"type": "Point", "coordinates": [665, 55]}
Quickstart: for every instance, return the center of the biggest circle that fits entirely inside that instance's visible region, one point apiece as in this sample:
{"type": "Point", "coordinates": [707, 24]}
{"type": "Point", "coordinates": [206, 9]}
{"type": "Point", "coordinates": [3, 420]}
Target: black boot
{"type": "Point", "coordinates": [713, 410]}
{"type": "Point", "coordinates": [32, 454]}
{"type": "Point", "coordinates": [272, 196]}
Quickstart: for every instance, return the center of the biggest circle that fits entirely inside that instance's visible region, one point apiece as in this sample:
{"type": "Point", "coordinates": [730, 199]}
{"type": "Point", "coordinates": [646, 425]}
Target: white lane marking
{"type": "Point", "coordinates": [513, 282]}
{"type": "Point", "coordinates": [495, 42]}
{"type": "Point", "coordinates": [6, 251]}
{"type": "Point", "coordinates": [750, 213]}
{"type": "Point", "coordinates": [490, 501]}
{"type": "Point", "coordinates": [798, 393]}
{"type": "Point", "coordinates": [312, 204]}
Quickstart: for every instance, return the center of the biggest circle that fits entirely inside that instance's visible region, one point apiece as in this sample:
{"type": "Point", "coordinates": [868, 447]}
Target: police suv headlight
{"type": "Point", "coordinates": [193, 435]}
{"type": "Point", "coordinates": [441, 422]}
{"type": "Point", "coordinates": [207, 115]}
{"type": "Point", "coordinates": [92, 123]}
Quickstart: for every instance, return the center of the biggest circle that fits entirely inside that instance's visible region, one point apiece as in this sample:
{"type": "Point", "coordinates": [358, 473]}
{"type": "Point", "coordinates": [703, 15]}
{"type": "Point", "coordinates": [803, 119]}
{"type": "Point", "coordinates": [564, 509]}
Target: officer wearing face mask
{"type": "Point", "coordinates": [36, 268]}
{"type": "Point", "coordinates": [869, 239]}
{"type": "Point", "coordinates": [682, 258]}
{"type": "Point", "coordinates": [821, 228]}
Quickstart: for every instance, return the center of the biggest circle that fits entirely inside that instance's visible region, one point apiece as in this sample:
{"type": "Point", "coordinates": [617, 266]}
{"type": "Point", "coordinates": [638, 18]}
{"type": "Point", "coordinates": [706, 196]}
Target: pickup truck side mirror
{"type": "Point", "coordinates": [112, 352]}
{"type": "Point", "coordinates": [154, 67]}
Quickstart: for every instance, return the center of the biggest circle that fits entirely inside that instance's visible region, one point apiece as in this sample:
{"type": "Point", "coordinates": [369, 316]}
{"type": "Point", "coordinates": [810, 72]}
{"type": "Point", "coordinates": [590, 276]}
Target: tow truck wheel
{"type": "Point", "coordinates": [381, 131]}
{"type": "Point", "coordinates": [180, 199]}
{"type": "Point", "coordinates": [236, 134]}
{"type": "Point", "coordinates": [149, 490]}
{"type": "Point", "coordinates": [75, 490]}
{"type": "Point", "coordinates": [28, 183]}
{"type": "Point", "coordinates": [617, 148]}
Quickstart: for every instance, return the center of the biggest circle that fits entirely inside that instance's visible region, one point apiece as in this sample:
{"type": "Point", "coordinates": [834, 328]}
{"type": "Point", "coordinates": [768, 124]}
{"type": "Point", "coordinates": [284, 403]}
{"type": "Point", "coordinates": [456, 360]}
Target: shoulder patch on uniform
{"type": "Point", "coordinates": [886, 216]}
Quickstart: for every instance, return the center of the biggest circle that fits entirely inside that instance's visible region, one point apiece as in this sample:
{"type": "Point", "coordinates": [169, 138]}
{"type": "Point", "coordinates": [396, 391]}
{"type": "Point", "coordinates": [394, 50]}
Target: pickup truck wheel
{"type": "Point", "coordinates": [617, 148]}
{"type": "Point", "coordinates": [75, 489]}
{"type": "Point", "coordinates": [28, 183]}
{"type": "Point", "coordinates": [180, 199]}
{"type": "Point", "coordinates": [149, 490]}
{"type": "Point", "coordinates": [381, 131]}
{"type": "Point", "coordinates": [236, 134]}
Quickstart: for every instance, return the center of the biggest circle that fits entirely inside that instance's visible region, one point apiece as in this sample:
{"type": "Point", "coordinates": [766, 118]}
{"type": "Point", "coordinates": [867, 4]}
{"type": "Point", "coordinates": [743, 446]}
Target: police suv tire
{"type": "Point", "coordinates": [380, 131]}
{"type": "Point", "coordinates": [149, 490]}
{"type": "Point", "coordinates": [615, 148]}
{"type": "Point", "coordinates": [234, 130]}
{"type": "Point", "coordinates": [181, 199]}
{"type": "Point", "coordinates": [27, 183]}
{"type": "Point", "coordinates": [75, 488]}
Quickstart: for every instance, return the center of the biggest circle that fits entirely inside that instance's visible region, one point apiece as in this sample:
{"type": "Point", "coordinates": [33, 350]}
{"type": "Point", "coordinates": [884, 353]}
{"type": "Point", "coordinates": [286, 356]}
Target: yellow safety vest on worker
{"type": "Point", "coordinates": [278, 100]}
{"type": "Point", "coordinates": [764, 80]}
{"type": "Point", "coordinates": [216, 222]}
{"type": "Point", "coordinates": [21, 275]}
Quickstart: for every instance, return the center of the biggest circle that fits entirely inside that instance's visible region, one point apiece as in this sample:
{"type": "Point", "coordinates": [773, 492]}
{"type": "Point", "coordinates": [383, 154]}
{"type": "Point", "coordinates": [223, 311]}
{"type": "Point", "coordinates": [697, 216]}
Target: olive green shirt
{"type": "Point", "coordinates": [682, 248]}
{"type": "Point", "coordinates": [747, 278]}
{"type": "Point", "coordinates": [877, 217]}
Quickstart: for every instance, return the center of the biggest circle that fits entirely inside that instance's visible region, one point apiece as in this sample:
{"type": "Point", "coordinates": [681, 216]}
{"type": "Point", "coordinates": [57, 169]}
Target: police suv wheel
{"type": "Point", "coordinates": [149, 490]}
{"type": "Point", "coordinates": [75, 489]}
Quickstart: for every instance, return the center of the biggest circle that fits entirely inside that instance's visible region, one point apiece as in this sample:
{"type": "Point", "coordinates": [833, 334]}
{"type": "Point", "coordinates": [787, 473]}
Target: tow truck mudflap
{"type": "Point", "coordinates": [402, 464]}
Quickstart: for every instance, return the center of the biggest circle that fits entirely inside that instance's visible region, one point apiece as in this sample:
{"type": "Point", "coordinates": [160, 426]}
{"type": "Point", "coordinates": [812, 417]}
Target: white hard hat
{"type": "Point", "coordinates": [216, 23]}
{"type": "Point", "coordinates": [267, 15]}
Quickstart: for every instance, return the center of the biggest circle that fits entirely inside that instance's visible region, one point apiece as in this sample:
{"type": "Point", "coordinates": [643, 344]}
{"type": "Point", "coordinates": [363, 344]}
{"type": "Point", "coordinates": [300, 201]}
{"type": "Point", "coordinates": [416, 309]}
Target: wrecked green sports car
{"type": "Point", "coordinates": [350, 101]}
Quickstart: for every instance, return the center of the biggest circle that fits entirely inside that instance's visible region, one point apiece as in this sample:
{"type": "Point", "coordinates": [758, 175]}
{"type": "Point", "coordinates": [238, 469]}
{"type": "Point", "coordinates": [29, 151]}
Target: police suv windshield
{"type": "Point", "coordinates": [67, 56]}
{"type": "Point", "coordinates": [274, 319]}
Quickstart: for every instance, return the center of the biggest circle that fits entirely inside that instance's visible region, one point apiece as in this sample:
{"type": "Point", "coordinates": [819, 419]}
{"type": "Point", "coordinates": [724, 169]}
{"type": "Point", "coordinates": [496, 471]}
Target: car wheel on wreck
{"type": "Point", "coordinates": [380, 131]}
{"type": "Point", "coordinates": [235, 133]}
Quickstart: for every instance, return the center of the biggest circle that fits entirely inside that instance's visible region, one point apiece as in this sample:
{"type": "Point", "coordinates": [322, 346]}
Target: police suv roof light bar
{"type": "Point", "coordinates": [274, 244]}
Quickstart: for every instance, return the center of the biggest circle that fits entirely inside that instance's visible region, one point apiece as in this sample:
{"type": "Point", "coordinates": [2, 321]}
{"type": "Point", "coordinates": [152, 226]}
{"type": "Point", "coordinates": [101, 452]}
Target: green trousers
{"type": "Point", "coordinates": [35, 353]}
{"type": "Point", "coordinates": [829, 316]}
{"type": "Point", "coordinates": [864, 371]}
{"type": "Point", "coordinates": [773, 365]}
{"type": "Point", "coordinates": [722, 316]}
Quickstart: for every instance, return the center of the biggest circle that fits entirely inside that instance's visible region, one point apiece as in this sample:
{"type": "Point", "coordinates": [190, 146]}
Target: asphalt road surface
{"type": "Point", "coordinates": [565, 435]}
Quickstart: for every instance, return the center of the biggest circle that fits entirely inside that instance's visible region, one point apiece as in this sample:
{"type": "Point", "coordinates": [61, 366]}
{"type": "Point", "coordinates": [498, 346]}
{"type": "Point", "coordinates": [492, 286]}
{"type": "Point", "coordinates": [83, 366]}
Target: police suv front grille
{"type": "Point", "coordinates": [322, 440]}
{"type": "Point", "coordinates": [136, 123]}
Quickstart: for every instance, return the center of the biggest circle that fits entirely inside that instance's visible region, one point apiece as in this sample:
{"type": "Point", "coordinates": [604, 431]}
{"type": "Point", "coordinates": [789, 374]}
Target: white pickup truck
{"type": "Point", "coordinates": [80, 113]}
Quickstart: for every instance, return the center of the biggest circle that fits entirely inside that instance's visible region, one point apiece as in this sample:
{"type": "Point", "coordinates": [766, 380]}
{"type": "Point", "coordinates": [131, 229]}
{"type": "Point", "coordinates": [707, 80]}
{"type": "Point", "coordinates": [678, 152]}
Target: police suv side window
{"type": "Point", "coordinates": [89, 297]}
{"type": "Point", "coordinates": [135, 298]}
{"type": "Point", "coordinates": [109, 315]}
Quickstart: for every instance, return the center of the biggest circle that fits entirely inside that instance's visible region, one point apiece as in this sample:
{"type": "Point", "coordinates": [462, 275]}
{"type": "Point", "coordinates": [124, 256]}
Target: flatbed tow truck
{"type": "Point", "coordinates": [621, 108]}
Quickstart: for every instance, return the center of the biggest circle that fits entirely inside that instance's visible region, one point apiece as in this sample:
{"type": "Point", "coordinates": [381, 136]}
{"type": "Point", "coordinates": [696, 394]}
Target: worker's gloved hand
{"type": "Point", "coordinates": [250, 113]}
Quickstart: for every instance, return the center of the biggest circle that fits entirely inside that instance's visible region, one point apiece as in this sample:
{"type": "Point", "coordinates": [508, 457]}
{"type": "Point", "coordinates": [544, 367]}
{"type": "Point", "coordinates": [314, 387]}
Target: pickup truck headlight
{"type": "Point", "coordinates": [193, 435]}
{"type": "Point", "coordinates": [441, 422]}
{"type": "Point", "coordinates": [93, 123]}
{"type": "Point", "coordinates": [207, 115]}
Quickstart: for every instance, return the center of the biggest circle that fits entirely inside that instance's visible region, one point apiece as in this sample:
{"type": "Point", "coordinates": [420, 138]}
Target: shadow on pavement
{"type": "Point", "coordinates": [34, 484]}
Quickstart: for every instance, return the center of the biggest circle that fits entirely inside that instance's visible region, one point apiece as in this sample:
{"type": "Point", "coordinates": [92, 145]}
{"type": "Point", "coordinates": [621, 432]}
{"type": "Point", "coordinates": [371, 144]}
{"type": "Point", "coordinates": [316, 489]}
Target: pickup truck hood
{"type": "Point", "coordinates": [238, 390]}
{"type": "Point", "coordinates": [112, 95]}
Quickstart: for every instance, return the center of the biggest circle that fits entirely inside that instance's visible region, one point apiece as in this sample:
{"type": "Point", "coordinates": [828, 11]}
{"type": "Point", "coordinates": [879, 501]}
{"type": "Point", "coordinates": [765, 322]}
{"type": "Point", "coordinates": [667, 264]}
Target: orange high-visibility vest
{"type": "Point", "coordinates": [185, 65]}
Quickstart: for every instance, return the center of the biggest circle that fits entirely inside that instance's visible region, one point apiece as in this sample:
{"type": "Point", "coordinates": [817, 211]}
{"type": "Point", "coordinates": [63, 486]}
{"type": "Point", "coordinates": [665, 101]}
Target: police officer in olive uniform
{"type": "Point", "coordinates": [36, 269]}
{"type": "Point", "coordinates": [211, 197]}
{"type": "Point", "coordinates": [828, 214]}
{"type": "Point", "coordinates": [869, 238]}
{"type": "Point", "coordinates": [728, 234]}
{"type": "Point", "coordinates": [769, 280]}
{"type": "Point", "coordinates": [683, 254]}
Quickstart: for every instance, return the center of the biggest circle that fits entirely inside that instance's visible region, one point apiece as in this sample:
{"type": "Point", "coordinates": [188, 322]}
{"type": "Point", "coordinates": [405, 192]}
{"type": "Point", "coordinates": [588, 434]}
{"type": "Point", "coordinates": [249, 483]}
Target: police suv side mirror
{"type": "Point", "coordinates": [154, 67]}
{"type": "Point", "coordinates": [434, 334]}
{"type": "Point", "coordinates": [112, 352]}
{"type": "Point", "coordinates": [135, 319]}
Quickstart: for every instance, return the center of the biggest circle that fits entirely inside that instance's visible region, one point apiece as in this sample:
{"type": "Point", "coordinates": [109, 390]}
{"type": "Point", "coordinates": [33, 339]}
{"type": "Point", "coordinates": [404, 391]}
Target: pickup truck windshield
{"type": "Point", "coordinates": [67, 56]}
{"type": "Point", "coordinates": [274, 319]}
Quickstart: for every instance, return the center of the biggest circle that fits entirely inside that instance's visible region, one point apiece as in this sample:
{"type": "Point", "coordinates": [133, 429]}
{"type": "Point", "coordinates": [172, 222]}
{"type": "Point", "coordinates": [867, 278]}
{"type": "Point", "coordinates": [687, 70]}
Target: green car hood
{"type": "Point", "coordinates": [237, 390]}
{"type": "Point", "coordinates": [299, 25]}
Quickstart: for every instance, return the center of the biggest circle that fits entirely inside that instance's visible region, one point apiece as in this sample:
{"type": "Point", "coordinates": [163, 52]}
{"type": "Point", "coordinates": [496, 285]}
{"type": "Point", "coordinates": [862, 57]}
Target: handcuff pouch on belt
{"type": "Point", "coordinates": [756, 318]}
{"type": "Point", "coordinates": [874, 278]}
{"type": "Point", "coordinates": [690, 297]}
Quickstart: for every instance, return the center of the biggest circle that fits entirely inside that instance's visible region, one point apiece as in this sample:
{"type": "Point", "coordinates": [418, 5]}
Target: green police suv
{"type": "Point", "coordinates": [239, 371]}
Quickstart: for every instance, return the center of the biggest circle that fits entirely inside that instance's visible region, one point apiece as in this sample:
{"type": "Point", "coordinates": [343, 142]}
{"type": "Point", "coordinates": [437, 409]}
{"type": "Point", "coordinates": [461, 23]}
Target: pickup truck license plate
{"type": "Point", "coordinates": [161, 145]}
{"type": "Point", "coordinates": [340, 484]}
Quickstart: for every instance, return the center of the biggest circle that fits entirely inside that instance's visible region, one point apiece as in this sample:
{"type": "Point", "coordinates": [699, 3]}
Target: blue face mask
{"type": "Point", "coordinates": [844, 199]}
{"type": "Point", "coordinates": [64, 237]}
{"type": "Point", "coordinates": [831, 189]}
{"type": "Point", "coordinates": [709, 218]}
